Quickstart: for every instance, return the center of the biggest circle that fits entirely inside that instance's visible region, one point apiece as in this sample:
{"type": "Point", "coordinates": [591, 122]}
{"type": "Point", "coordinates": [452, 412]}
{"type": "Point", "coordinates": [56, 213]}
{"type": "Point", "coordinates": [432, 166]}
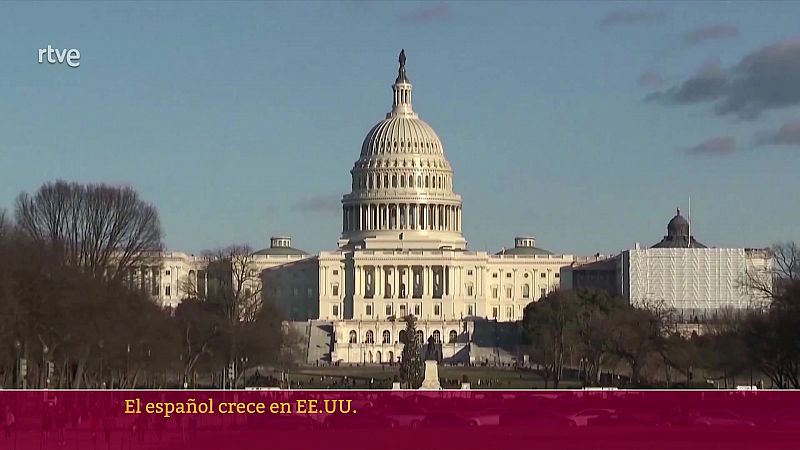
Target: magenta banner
{"type": "Point", "coordinates": [400, 419]}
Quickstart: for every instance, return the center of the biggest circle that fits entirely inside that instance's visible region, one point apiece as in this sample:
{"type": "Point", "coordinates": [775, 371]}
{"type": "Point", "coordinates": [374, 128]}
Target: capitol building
{"type": "Point", "coordinates": [402, 252]}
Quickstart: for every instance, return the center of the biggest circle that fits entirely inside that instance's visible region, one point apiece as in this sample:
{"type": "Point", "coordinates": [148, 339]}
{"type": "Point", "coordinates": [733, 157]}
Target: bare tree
{"type": "Point", "coordinates": [233, 291]}
{"type": "Point", "coordinates": [5, 224]}
{"type": "Point", "coordinates": [787, 261]}
{"type": "Point", "coordinates": [203, 334]}
{"type": "Point", "coordinates": [81, 242]}
{"type": "Point", "coordinates": [233, 283]}
{"type": "Point", "coordinates": [773, 337]}
{"type": "Point", "coordinates": [784, 269]}
{"type": "Point", "coordinates": [548, 331]}
{"type": "Point", "coordinates": [593, 330]}
{"type": "Point", "coordinates": [105, 230]}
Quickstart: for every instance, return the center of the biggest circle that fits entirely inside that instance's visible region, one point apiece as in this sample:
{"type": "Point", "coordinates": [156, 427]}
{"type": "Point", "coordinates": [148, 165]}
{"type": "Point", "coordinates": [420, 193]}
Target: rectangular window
{"type": "Point", "coordinates": [368, 310]}
{"type": "Point", "coordinates": [336, 272]}
{"type": "Point", "coordinates": [167, 291]}
{"type": "Point", "coordinates": [335, 290]}
{"type": "Point", "coordinates": [388, 310]}
{"type": "Point", "coordinates": [543, 275]}
{"type": "Point", "coordinates": [508, 292]}
{"type": "Point", "coordinates": [544, 292]}
{"type": "Point", "coordinates": [508, 275]}
{"type": "Point", "coordinates": [310, 292]}
{"type": "Point", "coordinates": [557, 275]}
{"type": "Point", "coordinates": [469, 272]}
{"type": "Point", "coordinates": [470, 310]}
{"type": "Point", "coordinates": [510, 312]}
{"type": "Point", "coordinates": [417, 310]}
{"type": "Point", "coordinates": [335, 310]}
{"type": "Point", "coordinates": [469, 290]}
{"type": "Point", "coordinates": [437, 310]}
{"type": "Point", "coordinates": [403, 309]}
{"type": "Point", "coordinates": [495, 293]}
{"type": "Point", "coordinates": [167, 272]}
{"type": "Point", "coordinates": [494, 312]}
{"type": "Point", "coordinates": [494, 275]}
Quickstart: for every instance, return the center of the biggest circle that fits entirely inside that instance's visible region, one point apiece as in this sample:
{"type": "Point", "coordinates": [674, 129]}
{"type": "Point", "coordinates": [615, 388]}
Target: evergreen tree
{"type": "Point", "coordinates": [411, 364]}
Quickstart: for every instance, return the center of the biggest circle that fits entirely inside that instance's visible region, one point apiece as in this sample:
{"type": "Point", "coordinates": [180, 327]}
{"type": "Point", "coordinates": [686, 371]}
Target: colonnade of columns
{"type": "Point", "coordinates": [401, 282]}
{"type": "Point", "coordinates": [372, 180]}
{"type": "Point", "coordinates": [144, 278]}
{"type": "Point", "coordinates": [401, 216]}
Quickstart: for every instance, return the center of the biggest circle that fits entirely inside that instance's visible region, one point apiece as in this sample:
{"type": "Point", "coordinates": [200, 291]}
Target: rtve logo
{"type": "Point", "coordinates": [72, 57]}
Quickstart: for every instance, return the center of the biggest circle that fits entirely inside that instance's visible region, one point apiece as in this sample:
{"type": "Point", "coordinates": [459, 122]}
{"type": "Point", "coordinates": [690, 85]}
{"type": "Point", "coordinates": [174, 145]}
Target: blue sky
{"type": "Point", "coordinates": [583, 124]}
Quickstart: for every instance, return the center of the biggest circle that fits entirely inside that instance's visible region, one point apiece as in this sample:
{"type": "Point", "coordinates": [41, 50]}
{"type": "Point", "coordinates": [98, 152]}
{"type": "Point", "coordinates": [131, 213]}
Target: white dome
{"type": "Point", "coordinates": [402, 188]}
{"type": "Point", "coordinates": [401, 135]}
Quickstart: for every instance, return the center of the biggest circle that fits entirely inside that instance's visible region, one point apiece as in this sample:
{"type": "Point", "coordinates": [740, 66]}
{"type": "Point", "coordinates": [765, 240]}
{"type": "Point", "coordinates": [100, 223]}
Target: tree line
{"type": "Point", "coordinates": [591, 333]}
{"type": "Point", "coordinates": [71, 317]}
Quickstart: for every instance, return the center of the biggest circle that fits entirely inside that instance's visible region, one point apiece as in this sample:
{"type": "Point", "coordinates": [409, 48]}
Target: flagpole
{"type": "Point", "coordinates": [690, 222]}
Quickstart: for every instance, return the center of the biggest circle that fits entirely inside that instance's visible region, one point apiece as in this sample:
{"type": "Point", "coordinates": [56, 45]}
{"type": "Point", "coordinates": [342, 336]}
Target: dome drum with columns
{"type": "Point", "coordinates": [402, 184]}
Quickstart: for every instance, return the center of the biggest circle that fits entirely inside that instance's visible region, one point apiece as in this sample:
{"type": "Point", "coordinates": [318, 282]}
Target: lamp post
{"type": "Point", "coordinates": [100, 344]}
{"type": "Point", "coordinates": [19, 376]}
{"type": "Point", "coordinates": [184, 378]}
{"type": "Point", "coordinates": [147, 368]}
{"type": "Point", "coordinates": [244, 360]}
{"type": "Point", "coordinates": [45, 366]}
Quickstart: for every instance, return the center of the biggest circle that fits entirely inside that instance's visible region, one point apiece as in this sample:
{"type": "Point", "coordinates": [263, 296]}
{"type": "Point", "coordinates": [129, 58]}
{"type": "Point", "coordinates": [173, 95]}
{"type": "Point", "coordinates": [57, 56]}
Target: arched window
{"type": "Point", "coordinates": [437, 337]}
{"type": "Point", "coordinates": [387, 337]}
{"type": "Point", "coordinates": [402, 181]}
{"type": "Point", "coordinates": [453, 336]}
{"type": "Point", "coordinates": [426, 181]}
{"type": "Point", "coordinates": [370, 337]}
{"type": "Point", "coordinates": [402, 336]}
{"type": "Point", "coordinates": [526, 290]}
{"type": "Point", "coordinates": [419, 180]}
{"type": "Point", "coordinates": [411, 182]}
{"type": "Point", "coordinates": [394, 181]}
{"type": "Point", "coordinates": [420, 337]}
{"type": "Point", "coordinates": [353, 337]}
{"type": "Point", "coordinates": [386, 181]}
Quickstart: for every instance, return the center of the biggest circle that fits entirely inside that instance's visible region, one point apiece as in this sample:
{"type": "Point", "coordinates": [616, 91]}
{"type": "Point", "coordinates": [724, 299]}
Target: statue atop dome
{"type": "Point", "coordinates": [401, 72]}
